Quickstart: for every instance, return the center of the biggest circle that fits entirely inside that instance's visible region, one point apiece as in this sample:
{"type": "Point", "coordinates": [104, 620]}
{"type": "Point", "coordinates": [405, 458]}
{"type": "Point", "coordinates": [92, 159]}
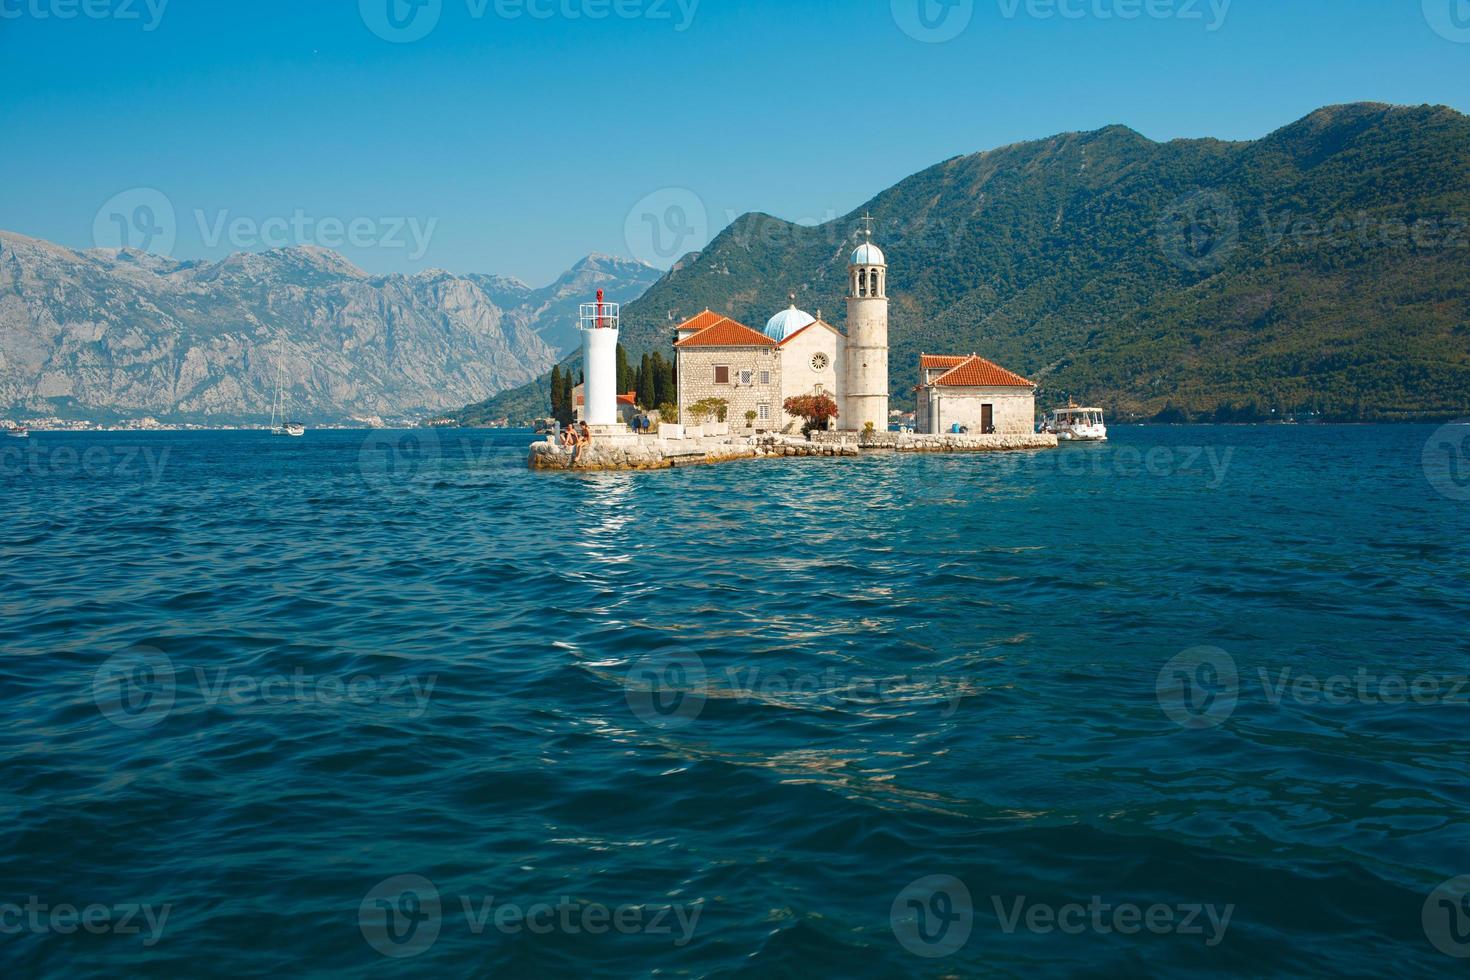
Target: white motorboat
{"type": "Point", "coordinates": [1076, 424]}
{"type": "Point", "coordinates": [18, 432]}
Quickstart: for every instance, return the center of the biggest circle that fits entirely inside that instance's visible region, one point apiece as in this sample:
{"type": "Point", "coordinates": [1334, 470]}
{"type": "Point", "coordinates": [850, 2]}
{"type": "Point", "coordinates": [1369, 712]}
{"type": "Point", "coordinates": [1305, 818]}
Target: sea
{"type": "Point", "coordinates": [1190, 703]}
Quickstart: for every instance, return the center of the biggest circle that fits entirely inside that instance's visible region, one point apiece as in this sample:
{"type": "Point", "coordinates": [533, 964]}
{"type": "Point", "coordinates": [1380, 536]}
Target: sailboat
{"type": "Point", "coordinates": [278, 407]}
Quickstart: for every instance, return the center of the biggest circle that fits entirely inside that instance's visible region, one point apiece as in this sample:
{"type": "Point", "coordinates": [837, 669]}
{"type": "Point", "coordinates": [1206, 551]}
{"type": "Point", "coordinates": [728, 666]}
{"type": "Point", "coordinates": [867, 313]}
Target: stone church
{"type": "Point", "coordinates": [755, 371]}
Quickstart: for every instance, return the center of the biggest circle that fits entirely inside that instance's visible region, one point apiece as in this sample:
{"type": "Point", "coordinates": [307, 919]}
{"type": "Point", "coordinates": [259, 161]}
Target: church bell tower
{"type": "Point", "coordinates": [865, 388]}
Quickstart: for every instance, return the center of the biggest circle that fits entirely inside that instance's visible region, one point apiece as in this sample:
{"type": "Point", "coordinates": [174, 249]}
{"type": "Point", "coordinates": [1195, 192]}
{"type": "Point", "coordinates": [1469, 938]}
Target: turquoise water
{"type": "Point", "coordinates": [330, 706]}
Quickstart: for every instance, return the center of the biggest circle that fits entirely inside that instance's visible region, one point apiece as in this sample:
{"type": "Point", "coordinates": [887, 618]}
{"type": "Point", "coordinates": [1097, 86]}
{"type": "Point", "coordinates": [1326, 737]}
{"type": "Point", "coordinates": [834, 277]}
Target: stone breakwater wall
{"type": "Point", "coordinates": [945, 442]}
{"type": "Point", "coordinates": [999, 443]}
{"type": "Point", "coordinates": [663, 454]}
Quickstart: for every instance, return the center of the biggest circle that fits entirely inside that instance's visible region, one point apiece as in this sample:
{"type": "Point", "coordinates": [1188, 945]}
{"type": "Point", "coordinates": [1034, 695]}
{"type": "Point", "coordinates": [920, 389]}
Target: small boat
{"type": "Point", "coordinates": [278, 407]}
{"type": "Point", "coordinates": [1076, 424]}
{"type": "Point", "coordinates": [18, 432]}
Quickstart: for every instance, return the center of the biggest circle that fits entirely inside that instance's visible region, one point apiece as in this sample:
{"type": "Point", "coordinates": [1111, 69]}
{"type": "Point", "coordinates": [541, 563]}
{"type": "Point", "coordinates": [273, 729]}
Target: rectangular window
{"type": "Point", "coordinates": [722, 374]}
{"type": "Point", "coordinates": [745, 377]}
{"type": "Point", "coordinates": [763, 412]}
{"type": "Point", "coordinates": [765, 377]}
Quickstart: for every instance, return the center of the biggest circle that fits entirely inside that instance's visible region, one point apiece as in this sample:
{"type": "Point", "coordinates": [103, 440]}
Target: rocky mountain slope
{"type": "Point", "coordinates": [104, 334]}
{"type": "Point", "coordinates": [1323, 268]}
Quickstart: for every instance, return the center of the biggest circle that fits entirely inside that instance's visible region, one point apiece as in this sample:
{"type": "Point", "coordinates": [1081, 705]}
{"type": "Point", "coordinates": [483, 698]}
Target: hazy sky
{"type": "Point", "coordinates": [515, 136]}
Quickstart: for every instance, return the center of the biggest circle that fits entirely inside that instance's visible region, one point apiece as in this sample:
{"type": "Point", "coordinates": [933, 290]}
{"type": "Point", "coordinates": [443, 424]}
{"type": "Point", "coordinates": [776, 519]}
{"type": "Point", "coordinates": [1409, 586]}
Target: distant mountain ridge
{"type": "Point", "coordinates": [1324, 268]}
{"type": "Point", "coordinates": [112, 334]}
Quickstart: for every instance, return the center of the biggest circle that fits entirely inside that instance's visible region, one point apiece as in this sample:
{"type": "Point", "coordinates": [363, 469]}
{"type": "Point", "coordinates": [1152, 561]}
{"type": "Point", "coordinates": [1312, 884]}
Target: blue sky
{"type": "Point", "coordinates": [515, 136]}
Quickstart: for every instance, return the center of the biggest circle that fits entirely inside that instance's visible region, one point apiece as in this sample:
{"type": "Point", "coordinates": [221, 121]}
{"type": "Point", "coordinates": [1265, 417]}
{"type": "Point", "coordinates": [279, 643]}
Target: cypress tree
{"type": "Point", "coordinates": [667, 393]}
{"type": "Point", "coordinates": [556, 393]}
{"type": "Point", "coordinates": [647, 384]}
{"type": "Point", "coordinates": [625, 372]}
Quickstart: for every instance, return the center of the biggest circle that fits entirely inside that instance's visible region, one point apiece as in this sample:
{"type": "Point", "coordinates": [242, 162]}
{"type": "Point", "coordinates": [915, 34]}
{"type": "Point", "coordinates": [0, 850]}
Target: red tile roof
{"type": "Point", "coordinates": [976, 371]}
{"type": "Point", "coordinates": [631, 398]}
{"type": "Point", "coordinates": [927, 361]}
{"type": "Point", "coordinates": [727, 333]}
{"type": "Point", "coordinates": [705, 319]}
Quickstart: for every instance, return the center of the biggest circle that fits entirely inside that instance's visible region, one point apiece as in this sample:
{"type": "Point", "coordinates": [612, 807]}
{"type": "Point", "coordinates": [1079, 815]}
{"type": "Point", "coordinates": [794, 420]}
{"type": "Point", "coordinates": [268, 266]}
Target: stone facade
{"type": "Point", "coordinates": [809, 366]}
{"type": "Point", "coordinates": [1012, 409]}
{"type": "Point", "coordinates": [864, 396]}
{"type": "Point", "coordinates": [751, 383]}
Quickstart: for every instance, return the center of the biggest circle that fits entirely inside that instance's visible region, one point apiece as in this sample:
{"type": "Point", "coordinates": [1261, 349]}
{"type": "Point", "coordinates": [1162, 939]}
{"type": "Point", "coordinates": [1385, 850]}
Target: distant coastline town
{"type": "Point", "coordinates": [52, 423]}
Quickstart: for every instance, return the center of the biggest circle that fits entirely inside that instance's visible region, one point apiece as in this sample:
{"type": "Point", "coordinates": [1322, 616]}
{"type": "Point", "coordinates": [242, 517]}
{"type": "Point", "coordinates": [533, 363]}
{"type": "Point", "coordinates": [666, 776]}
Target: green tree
{"type": "Point", "coordinates": [664, 385]}
{"type": "Point", "coordinates": [814, 409]}
{"type": "Point", "coordinates": [627, 379]}
{"type": "Point", "coordinates": [563, 405]}
{"type": "Point", "coordinates": [647, 385]}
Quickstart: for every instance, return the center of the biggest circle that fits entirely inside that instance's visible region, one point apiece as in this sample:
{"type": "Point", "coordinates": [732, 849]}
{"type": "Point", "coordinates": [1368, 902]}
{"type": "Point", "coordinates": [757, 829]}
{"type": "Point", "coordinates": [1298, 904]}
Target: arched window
{"type": "Point", "coordinates": [873, 281]}
{"type": "Point", "coordinates": [862, 284]}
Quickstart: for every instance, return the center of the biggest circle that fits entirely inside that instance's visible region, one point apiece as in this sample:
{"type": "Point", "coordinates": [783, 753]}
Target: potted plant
{"type": "Point", "coordinates": [705, 409]}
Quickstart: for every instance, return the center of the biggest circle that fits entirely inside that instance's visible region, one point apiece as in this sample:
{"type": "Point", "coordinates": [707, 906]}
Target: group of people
{"type": "Point", "coordinates": [575, 436]}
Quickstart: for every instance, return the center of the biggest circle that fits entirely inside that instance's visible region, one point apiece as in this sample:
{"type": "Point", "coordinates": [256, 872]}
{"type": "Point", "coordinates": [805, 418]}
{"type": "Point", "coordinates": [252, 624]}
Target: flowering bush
{"type": "Point", "coordinates": [817, 410]}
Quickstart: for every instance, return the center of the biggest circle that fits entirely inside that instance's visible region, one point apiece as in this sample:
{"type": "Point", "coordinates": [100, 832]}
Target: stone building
{"type": "Point", "coordinates": [720, 358]}
{"type": "Point", "coordinates": [973, 393]}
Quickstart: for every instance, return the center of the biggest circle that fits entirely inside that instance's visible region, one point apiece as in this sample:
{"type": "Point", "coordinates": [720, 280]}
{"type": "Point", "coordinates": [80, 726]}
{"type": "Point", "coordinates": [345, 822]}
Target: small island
{"type": "Point", "coordinates": [801, 388]}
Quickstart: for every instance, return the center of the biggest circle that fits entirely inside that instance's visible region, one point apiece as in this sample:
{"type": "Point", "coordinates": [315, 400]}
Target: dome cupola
{"type": "Point", "coordinates": [788, 322]}
{"type": "Point", "coordinates": [868, 271]}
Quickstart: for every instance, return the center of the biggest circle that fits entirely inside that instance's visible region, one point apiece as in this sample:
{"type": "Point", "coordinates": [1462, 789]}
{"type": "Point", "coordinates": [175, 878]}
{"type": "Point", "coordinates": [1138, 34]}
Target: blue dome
{"type": "Point", "coordinates": [787, 322]}
{"type": "Point", "coordinates": [868, 254]}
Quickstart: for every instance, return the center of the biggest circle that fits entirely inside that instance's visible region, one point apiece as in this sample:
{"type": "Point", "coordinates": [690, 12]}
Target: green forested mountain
{"type": "Point", "coordinates": [1322, 268]}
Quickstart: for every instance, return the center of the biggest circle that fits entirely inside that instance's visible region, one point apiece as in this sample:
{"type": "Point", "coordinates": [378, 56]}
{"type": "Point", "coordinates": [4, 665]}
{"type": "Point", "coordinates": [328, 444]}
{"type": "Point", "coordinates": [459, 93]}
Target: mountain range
{"type": "Point", "coordinates": [108, 334]}
{"type": "Point", "coordinates": [1323, 269]}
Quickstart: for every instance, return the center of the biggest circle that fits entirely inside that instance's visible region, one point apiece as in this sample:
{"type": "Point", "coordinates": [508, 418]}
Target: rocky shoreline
{"type": "Point", "coordinates": [635, 453]}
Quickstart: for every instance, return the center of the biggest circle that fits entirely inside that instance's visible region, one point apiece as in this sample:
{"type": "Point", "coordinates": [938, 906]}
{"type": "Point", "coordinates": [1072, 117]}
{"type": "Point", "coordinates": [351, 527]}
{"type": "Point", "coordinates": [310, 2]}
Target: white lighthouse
{"type": "Point", "coordinates": [600, 362]}
{"type": "Point", "coordinates": [865, 388]}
